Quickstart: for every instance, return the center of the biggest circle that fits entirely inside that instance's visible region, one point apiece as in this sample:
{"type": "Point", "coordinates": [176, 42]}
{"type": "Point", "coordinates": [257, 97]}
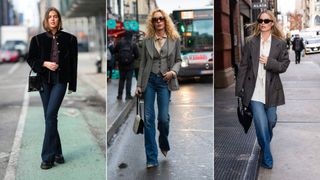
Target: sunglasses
{"type": "Point", "coordinates": [157, 19]}
{"type": "Point", "coordinates": [266, 21]}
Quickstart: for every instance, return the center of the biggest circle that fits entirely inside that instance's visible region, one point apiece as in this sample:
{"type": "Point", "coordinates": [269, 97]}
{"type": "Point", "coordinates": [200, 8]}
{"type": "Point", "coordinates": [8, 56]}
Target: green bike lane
{"type": "Point", "coordinates": [81, 131]}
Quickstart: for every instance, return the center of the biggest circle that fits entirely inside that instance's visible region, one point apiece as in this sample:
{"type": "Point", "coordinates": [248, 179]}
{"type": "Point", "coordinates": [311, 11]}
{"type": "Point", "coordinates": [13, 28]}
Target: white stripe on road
{"type": "Point", "coordinates": [13, 68]}
{"type": "Point", "coordinates": [13, 160]}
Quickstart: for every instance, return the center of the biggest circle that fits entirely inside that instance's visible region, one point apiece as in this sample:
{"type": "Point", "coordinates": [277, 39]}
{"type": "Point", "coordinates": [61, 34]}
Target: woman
{"type": "Point", "coordinates": [53, 55]}
{"type": "Point", "coordinates": [160, 62]}
{"type": "Point", "coordinates": [264, 57]}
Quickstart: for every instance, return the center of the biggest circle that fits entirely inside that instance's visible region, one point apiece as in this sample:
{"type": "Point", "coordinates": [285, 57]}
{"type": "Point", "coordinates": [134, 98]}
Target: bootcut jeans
{"type": "Point", "coordinates": [265, 120]}
{"type": "Point", "coordinates": [156, 87]}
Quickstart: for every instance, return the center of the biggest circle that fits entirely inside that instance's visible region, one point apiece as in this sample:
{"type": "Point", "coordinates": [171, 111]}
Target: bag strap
{"type": "Point", "coordinates": [138, 107]}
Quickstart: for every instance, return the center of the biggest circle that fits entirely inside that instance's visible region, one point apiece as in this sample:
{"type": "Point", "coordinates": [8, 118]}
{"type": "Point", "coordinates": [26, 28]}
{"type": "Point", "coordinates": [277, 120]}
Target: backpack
{"type": "Point", "coordinates": [126, 55]}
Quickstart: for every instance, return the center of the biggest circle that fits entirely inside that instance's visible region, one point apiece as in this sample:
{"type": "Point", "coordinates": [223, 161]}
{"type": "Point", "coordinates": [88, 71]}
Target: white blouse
{"type": "Point", "coordinates": [259, 93]}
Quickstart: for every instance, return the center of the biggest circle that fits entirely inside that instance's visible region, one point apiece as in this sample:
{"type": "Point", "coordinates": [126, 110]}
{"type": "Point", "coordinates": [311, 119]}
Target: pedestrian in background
{"type": "Point", "coordinates": [53, 55]}
{"type": "Point", "coordinates": [264, 57]}
{"type": "Point", "coordinates": [127, 52]}
{"type": "Point", "coordinates": [110, 59]}
{"type": "Point", "coordinates": [160, 62]}
{"type": "Point", "coordinates": [297, 46]}
{"type": "Point", "coordinates": [138, 60]}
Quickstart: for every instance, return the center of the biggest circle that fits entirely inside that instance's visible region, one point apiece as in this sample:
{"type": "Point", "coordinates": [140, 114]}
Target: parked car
{"type": "Point", "coordinates": [8, 54]}
{"type": "Point", "coordinates": [312, 45]}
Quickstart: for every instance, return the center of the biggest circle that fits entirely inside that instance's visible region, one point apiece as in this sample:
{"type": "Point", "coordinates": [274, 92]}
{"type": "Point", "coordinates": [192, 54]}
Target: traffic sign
{"type": "Point", "coordinates": [260, 5]}
{"type": "Point", "coordinates": [111, 24]}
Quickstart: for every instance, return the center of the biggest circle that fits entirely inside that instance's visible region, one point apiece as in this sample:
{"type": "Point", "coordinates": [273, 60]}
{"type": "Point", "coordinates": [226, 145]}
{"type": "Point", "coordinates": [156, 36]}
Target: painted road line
{"type": "Point", "coordinates": [13, 68]}
{"type": "Point", "coordinates": [12, 164]}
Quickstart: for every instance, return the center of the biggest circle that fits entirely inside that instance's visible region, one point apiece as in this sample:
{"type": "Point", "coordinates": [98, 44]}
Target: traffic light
{"type": "Point", "coordinates": [182, 29]}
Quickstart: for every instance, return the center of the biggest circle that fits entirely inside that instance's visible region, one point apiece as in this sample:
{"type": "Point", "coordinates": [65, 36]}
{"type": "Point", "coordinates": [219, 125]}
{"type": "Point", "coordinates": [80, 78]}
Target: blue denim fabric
{"type": "Point", "coordinates": [265, 120]}
{"type": "Point", "coordinates": [156, 86]}
{"type": "Point", "coordinates": [51, 96]}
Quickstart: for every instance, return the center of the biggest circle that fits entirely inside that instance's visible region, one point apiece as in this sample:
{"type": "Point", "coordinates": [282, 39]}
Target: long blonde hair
{"type": "Point", "coordinates": [170, 29]}
{"type": "Point", "coordinates": [276, 30]}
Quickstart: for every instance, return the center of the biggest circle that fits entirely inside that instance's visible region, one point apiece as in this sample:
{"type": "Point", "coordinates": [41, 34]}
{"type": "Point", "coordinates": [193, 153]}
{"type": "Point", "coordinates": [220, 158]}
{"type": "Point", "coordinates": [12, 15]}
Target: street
{"type": "Point", "coordinates": [13, 82]}
{"type": "Point", "coordinates": [190, 137]}
{"type": "Point", "coordinates": [81, 126]}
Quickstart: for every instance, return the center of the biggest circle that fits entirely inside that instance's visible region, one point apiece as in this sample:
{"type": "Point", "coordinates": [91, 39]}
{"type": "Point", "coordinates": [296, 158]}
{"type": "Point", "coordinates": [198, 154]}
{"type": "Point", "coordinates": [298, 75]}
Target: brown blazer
{"type": "Point", "coordinates": [278, 62]}
{"type": "Point", "coordinates": [174, 60]}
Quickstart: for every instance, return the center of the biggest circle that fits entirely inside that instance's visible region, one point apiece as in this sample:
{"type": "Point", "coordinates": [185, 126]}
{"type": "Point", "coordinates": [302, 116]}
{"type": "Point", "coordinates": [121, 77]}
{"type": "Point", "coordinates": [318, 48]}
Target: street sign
{"type": "Point", "coordinates": [131, 25]}
{"type": "Point", "coordinates": [260, 5]}
{"type": "Point", "coordinates": [111, 24]}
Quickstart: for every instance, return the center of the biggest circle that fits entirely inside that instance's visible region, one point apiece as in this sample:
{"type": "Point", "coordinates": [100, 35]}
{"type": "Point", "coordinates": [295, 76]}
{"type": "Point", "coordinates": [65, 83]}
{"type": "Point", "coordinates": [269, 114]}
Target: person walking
{"type": "Point", "coordinates": [137, 61]}
{"type": "Point", "coordinates": [160, 63]}
{"type": "Point", "coordinates": [110, 60]}
{"type": "Point", "coordinates": [53, 55]}
{"type": "Point", "coordinates": [127, 52]}
{"type": "Point", "coordinates": [297, 46]}
{"type": "Point", "coordinates": [264, 57]}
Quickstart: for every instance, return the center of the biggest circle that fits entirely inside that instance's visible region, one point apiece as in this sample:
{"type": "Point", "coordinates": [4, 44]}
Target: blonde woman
{"type": "Point", "coordinates": [160, 62]}
{"type": "Point", "coordinates": [264, 57]}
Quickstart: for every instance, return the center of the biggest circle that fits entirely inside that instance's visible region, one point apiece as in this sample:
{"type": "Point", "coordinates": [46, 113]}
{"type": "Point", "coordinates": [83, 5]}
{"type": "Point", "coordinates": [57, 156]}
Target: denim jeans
{"type": "Point", "coordinates": [265, 120]}
{"type": "Point", "coordinates": [125, 75]}
{"type": "Point", "coordinates": [51, 97]}
{"type": "Point", "coordinates": [156, 86]}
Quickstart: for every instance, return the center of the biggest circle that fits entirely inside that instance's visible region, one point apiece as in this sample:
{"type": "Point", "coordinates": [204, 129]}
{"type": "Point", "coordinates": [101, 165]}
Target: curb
{"type": "Point", "coordinates": [119, 120]}
{"type": "Point", "coordinates": [252, 169]}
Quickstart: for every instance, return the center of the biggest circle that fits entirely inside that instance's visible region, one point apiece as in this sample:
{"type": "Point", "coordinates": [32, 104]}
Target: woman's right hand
{"type": "Point", "coordinates": [50, 65]}
{"type": "Point", "coordinates": [138, 91]}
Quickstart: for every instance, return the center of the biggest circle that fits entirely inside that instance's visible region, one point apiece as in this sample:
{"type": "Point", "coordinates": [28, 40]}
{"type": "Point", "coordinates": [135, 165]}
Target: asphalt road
{"type": "Point", "coordinates": [13, 78]}
{"type": "Point", "coordinates": [191, 140]}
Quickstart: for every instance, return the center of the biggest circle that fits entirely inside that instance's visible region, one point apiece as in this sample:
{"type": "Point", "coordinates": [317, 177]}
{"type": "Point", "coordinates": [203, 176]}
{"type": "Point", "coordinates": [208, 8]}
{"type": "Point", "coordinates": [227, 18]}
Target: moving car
{"type": "Point", "coordinates": [312, 45]}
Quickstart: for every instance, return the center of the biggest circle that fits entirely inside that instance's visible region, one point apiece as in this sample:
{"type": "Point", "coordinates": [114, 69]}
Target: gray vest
{"type": "Point", "coordinates": [160, 64]}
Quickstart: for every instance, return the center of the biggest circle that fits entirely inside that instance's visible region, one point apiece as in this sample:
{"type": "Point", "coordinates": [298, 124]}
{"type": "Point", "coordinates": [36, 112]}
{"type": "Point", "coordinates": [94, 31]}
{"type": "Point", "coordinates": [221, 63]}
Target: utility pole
{"type": "Point", "coordinates": [137, 11]}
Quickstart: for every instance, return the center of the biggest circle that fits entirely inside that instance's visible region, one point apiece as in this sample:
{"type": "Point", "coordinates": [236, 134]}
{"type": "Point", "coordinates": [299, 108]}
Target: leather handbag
{"type": "Point", "coordinates": [174, 84]}
{"type": "Point", "coordinates": [34, 83]}
{"type": "Point", "coordinates": [138, 124]}
{"type": "Point", "coordinates": [244, 115]}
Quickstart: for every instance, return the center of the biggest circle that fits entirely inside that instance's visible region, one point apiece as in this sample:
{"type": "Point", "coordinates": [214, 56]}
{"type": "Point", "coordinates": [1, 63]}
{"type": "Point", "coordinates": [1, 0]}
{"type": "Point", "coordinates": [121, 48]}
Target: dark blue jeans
{"type": "Point", "coordinates": [51, 96]}
{"type": "Point", "coordinates": [156, 87]}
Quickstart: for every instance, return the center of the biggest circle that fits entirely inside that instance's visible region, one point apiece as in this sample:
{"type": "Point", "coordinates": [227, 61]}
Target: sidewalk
{"type": "Point", "coordinates": [295, 146]}
{"type": "Point", "coordinates": [235, 153]}
{"type": "Point", "coordinates": [117, 110]}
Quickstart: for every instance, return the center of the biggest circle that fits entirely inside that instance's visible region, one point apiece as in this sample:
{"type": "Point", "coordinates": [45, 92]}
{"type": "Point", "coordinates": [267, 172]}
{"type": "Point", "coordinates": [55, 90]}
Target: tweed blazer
{"type": "Point", "coordinates": [278, 62]}
{"type": "Point", "coordinates": [147, 56]}
{"type": "Point", "coordinates": [40, 51]}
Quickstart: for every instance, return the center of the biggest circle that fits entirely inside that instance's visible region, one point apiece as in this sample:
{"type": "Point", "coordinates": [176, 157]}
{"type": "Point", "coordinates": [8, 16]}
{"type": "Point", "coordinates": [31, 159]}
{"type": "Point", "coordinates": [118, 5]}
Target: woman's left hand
{"type": "Point", "coordinates": [263, 59]}
{"type": "Point", "coordinates": [168, 75]}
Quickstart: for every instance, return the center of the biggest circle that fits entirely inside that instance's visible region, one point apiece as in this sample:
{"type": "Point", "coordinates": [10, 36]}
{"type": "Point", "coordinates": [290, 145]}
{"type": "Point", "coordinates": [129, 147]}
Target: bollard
{"type": "Point", "coordinates": [99, 64]}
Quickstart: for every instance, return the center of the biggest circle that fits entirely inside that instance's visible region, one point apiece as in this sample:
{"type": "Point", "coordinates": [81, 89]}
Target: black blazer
{"type": "Point", "coordinates": [40, 51]}
{"type": "Point", "coordinates": [278, 62]}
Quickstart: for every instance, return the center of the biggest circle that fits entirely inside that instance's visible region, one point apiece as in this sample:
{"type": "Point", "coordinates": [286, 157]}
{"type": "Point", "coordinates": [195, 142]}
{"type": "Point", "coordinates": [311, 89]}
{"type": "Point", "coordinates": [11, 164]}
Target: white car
{"type": "Point", "coordinates": [312, 45]}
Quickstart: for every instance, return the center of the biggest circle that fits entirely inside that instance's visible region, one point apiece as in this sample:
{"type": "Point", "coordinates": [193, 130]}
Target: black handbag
{"type": "Point", "coordinates": [244, 115]}
{"type": "Point", "coordinates": [138, 124]}
{"type": "Point", "coordinates": [34, 83]}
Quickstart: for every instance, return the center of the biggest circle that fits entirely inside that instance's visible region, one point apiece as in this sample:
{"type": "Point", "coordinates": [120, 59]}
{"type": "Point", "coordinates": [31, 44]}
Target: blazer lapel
{"type": "Point", "coordinates": [255, 54]}
{"type": "Point", "coordinates": [171, 45]}
{"type": "Point", "coordinates": [150, 45]}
